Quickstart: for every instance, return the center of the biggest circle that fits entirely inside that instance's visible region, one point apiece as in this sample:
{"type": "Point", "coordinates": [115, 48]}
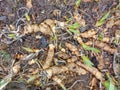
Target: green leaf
{"type": "Point", "coordinates": [102, 20]}
{"type": "Point", "coordinates": [27, 16]}
{"type": "Point", "coordinates": [118, 6]}
{"type": "Point", "coordinates": [109, 84]}
{"type": "Point", "coordinates": [90, 48]}
{"type": "Point", "coordinates": [63, 87]}
{"type": "Point", "coordinates": [105, 16]}
{"type": "Point", "coordinates": [5, 81]}
{"type": "Point", "coordinates": [27, 49]}
{"type": "Point", "coordinates": [87, 61]}
{"type": "Point", "coordinates": [32, 78]}
{"type": "Point", "coordinates": [100, 36]}
{"type": "Point", "coordinates": [74, 31]}
{"type": "Point", "coordinates": [74, 26]}
{"type": "Point", "coordinates": [4, 55]}
{"type": "Point", "coordinates": [99, 23]}
{"type": "Point", "coordinates": [106, 84]}
{"type": "Point", "coordinates": [12, 35]}
{"type": "Point", "coordinates": [77, 3]}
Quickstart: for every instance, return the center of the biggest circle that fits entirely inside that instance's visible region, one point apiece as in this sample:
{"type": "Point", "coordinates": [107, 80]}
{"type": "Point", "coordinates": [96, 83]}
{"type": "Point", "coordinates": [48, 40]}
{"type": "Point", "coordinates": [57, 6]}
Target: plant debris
{"type": "Point", "coordinates": [53, 44]}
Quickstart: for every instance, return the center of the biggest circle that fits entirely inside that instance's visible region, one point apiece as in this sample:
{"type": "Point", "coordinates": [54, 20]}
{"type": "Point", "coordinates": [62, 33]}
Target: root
{"type": "Point", "coordinates": [88, 34]}
{"type": "Point", "coordinates": [103, 46]}
{"type": "Point", "coordinates": [72, 48]}
{"type": "Point", "coordinates": [49, 56]}
{"type": "Point", "coordinates": [92, 70]}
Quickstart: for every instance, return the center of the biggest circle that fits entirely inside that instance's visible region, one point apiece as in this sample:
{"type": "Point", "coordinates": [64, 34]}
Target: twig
{"type": "Point", "coordinates": [75, 83]}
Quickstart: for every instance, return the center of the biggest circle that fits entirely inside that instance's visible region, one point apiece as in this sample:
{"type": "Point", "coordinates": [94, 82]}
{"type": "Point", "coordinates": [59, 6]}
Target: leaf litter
{"type": "Point", "coordinates": [41, 66]}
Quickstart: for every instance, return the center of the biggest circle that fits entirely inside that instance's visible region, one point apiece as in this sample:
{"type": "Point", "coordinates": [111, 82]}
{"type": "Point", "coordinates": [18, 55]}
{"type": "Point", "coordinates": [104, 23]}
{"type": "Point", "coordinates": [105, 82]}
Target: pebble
{"type": "Point", "coordinates": [44, 42]}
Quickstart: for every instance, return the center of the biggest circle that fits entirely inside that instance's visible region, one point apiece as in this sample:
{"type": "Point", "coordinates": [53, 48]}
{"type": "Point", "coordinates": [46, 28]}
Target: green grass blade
{"type": "Point", "coordinates": [90, 48]}
{"type": "Point", "coordinates": [74, 31]}
{"type": "Point", "coordinates": [87, 61]}
{"type": "Point", "coordinates": [99, 23]}
{"type": "Point", "coordinates": [77, 3]}
{"type": "Point", "coordinates": [74, 26]}
{"type": "Point", "coordinates": [27, 49]}
{"type": "Point", "coordinates": [5, 81]}
{"type": "Point", "coordinates": [105, 16]}
{"type": "Point", "coordinates": [102, 20]}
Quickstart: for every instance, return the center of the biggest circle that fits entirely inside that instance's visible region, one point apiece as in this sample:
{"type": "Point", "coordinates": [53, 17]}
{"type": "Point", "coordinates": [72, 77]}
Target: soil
{"type": "Point", "coordinates": [90, 10]}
